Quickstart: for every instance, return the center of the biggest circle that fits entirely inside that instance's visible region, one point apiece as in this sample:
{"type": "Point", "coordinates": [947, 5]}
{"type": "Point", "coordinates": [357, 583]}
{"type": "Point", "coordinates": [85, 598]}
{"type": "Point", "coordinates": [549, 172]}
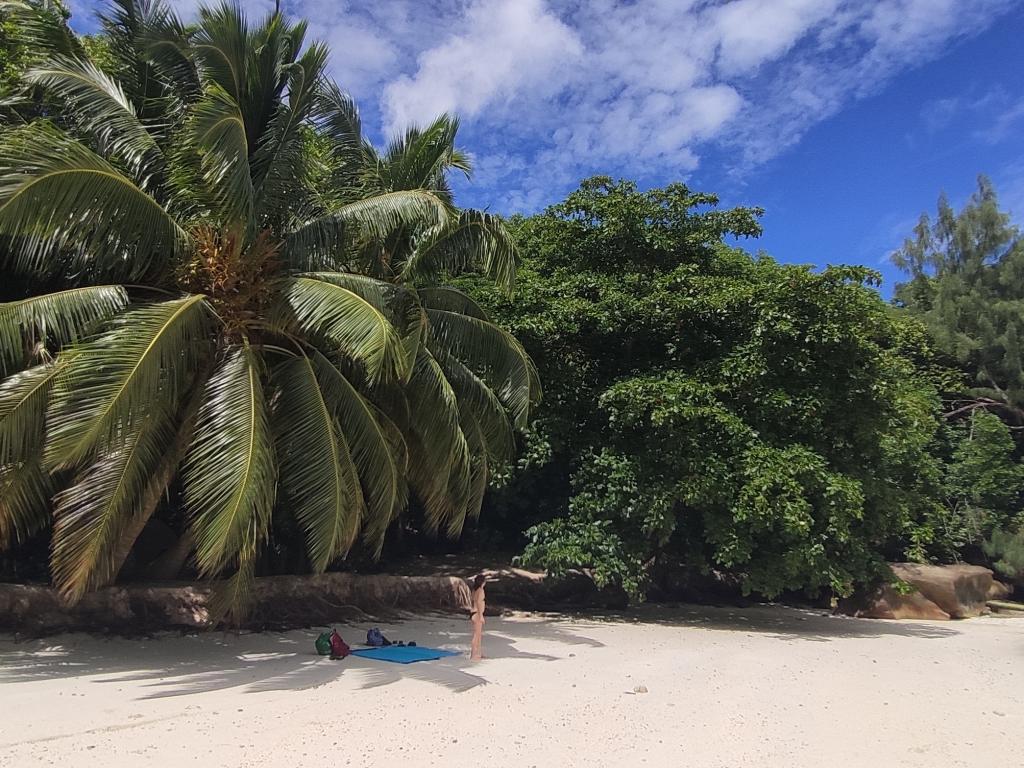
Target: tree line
{"type": "Point", "coordinates": [706, 409]}
{"type": "Point", "coordinates": [226, 314]}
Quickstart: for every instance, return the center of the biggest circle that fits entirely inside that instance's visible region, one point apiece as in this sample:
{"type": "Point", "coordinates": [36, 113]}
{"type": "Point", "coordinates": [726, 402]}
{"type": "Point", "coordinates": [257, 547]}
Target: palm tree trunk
{"type": "Point", "coordinates": [169, 564]}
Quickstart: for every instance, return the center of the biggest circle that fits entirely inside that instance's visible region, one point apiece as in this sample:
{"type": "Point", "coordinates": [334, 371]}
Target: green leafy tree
{"type": "Point", "coordinates": [30, 30]}
{"type": "Point", "coordinates": [984, 480]}
{"type": "Point", "coordinates": [967, 284]}
{"type": "Point", "coordinates": [706, 408]}
{"type": "Point", "coordinates": [226, 313]}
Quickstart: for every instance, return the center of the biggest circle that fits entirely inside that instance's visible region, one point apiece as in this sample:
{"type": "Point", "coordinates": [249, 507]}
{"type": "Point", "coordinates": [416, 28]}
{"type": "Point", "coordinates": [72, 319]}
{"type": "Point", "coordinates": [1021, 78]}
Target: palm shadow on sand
{"type": "Point", "coordinates": [781, 622]}
{"type": "Point", "coordinates": [258, 662]}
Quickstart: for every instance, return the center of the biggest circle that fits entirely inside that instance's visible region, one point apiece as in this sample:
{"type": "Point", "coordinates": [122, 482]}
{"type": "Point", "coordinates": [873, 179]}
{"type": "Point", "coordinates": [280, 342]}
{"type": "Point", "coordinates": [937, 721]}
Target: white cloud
{"type": "Point", "coordinates": [853, 54]}
{"type": "Point", "coordinates": [580, 87]}
{"type": "Point", "coordinates": [751, 32]}
{"type": "Point", "coordinates": [554, 90]}
{"type": "Point", "coordinates": [503, 49]}
{"type": "Point", "coordinates": [374, 43]}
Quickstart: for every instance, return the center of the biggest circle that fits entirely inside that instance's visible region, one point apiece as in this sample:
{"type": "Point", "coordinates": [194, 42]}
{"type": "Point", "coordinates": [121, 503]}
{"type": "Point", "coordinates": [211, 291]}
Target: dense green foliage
{"type": "Point", "coordinates": [234, 301]}
{"type": "Point", "coordinates": [706, 408]}
{"type": "Point", "coordinates": [984, 481]}
{"type": "Point", "coordinates": [16, 47]}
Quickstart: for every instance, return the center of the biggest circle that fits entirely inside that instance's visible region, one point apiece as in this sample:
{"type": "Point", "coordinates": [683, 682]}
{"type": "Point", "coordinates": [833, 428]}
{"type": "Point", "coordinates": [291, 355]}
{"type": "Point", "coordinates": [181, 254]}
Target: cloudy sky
{"type": "Point", "coordinates": [843, 118]}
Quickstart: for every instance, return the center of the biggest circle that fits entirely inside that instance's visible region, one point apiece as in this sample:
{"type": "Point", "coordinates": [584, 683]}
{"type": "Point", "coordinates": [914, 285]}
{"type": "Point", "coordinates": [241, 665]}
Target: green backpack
{"type": "Point", "coordinates": [323, 644]}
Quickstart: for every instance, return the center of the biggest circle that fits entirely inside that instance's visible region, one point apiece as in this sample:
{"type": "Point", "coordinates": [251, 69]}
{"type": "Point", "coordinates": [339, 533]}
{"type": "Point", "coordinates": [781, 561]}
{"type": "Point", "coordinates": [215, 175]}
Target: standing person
{"type": "Point", "coordinates": [478, 603]}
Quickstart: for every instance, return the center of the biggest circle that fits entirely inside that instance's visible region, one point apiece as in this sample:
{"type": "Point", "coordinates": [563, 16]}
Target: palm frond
{"type": "Point", "coordinates": [99, 106]}
{"type": "Point", "coordinates": [230, 471]}
{"type": "Point", "coordinates": [322, 240]}
{"type": "Point", "coordinates": [398, 303]}
{"type": "Point", "coordinates": [150, 353]}
{"type": "Point", "coordinates": [25, 491]}
{"type": "Point", "coordinates": [54, 189]}
{"type": "Point", "coordinates": [451, 300]}
{"type": "Point", "coordinates": [318, 475]}
{"type": "Point", "coordinates": [164, 42]}
{"type": "Point", "coordinates": [346, 320]}
{"type": "Point", "coordinates": [266, 68]}
{"type": "Point", "coordinates": [23, 402]}
{"type": "Point", "coordinates": [376, 448]}
{"type": "Point", "coordinates": [478, 401]}
{"type": "Point", "coordinates": [232, 597]}
{"type": "Point", "coordinates": [339, 121]}
{"type": "Point", "coordinates": [479, 472]}
{"type": "Point", "coordinates": [478, 241]}
{"type": "Point", "coordinates": [252, 64]}
{"type": "Point", "coordinates": [93, 514]}
{"type": "Point", "coordinates": [63, 317]}
{"type": "Point", "coordinates": [439, 462]}
{"type": "Point", "coordinates": [280, 159]}
{"type": "Point", "coordinates": [487, 348]}
{"type": "Point", "coordinates": [222, 42]}
{"type": "Point", "coordinates": [378, 293]}
{"type": "Point", "coordinates": [420, 158]}
{"type": "Point", "coordinates": [216, 132]}
{"type": "Point", "coordinates": [153, 61]}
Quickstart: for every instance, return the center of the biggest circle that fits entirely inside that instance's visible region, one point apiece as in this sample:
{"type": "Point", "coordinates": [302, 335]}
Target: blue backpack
{"type": "Point", "coordinates": [375, 638]}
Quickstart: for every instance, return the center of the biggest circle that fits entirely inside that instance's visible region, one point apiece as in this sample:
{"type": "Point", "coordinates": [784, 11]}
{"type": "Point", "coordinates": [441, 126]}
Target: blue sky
{"type": "Point", "coordinates": [842, 118]}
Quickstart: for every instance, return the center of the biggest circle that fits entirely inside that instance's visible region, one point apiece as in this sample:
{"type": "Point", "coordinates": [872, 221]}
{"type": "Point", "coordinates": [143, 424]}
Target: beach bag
{"type": "Point", "coordinates": [374, 637]}
{"type": "Point", "coordinates": [339, 648]}
{"type": "Point", "coordinates": [323, 643]}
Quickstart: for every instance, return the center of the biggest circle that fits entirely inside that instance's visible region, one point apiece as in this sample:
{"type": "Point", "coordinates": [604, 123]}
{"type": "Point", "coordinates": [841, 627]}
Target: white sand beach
{"type": "Point", "coordinates": [764, 686]}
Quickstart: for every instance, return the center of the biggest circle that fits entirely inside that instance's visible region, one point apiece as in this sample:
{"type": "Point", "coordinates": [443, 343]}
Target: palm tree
{"type": "Point", "coordinates": [453, 421]}
{"type": "Point", "coordinates": [221, 306]}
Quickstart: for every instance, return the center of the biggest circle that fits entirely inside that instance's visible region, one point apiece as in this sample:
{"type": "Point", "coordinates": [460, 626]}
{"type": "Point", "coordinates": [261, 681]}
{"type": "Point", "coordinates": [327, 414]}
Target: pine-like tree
{"type": "Point", "coordinates": [967, 283]}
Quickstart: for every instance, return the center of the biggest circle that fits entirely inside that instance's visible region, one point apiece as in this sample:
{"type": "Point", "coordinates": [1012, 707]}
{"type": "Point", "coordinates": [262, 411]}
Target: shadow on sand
{"type": "Point", "coordinates": [176, 666]}
{"type": "Point", "coordinates": [781, 622]}
{"type": "Point", "coordinates": [257, 662]}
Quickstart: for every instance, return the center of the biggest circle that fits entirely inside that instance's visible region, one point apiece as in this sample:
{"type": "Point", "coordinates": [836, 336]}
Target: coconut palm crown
{"type": "Point", "coordinates": [222, 310]}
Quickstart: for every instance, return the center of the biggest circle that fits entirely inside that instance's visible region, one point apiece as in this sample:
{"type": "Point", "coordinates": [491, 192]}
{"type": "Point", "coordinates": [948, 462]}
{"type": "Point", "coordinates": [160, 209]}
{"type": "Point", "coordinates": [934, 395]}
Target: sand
{"type": "Point", "coordinates": [765, 686]}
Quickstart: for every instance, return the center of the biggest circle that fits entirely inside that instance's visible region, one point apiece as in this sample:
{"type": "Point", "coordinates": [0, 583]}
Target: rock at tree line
{"type": "Point", "coordinates": [941, 592]}
{"type": "Point", "coordinates": [999, 591]}
{"type": "Point", "coordinates": [886, 603]}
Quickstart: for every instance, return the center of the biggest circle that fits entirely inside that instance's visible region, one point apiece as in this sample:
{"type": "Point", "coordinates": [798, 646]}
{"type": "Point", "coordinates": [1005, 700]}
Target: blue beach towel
{"type": "Point", "coordinates": [403, 654]}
